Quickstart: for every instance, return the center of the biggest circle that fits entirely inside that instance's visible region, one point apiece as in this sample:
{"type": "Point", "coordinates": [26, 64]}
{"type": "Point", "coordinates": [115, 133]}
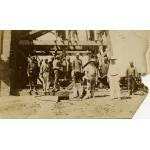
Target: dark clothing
{"type": "Point", "coordinates": [32, 81]}
{"type": "Point", "coordinates": [103, 75]}
{"type": "Point", "coordinates": [104, 81]}
{"type": "Point", "coordinates": [131, 75]}
{"type": "Point", "coordinates": [32, 68]}
{"type": "Point", "coordinates": [51, 71]}
{"type": "Point", "coordinates": [78, 77]}
{"type": "Point", "coordinates": [56, 81]}
{"type": "Point", "coordinates": [32, 71]}
{"type": "Point", "coordinates": [131, 85]}
{"type": "Point", "coordinates": [64, 69]}
{"type": "Point", "coordinates": [57, 69]}
{"type": "Point", "coordinates": [69, 70]}
{"type": "Point", "coordinates": [104, 69]}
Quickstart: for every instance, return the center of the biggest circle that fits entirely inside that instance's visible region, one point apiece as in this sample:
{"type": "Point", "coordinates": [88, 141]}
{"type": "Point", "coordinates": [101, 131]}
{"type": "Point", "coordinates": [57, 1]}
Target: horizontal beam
{"type": "Point", "coordinates": [59, 43]}
{"type": "Point", "coordinates": [68, 52]}
{"type": "Point", "coordinates": [37, 33]}
{"type": "Point", "coordinates": [29, 34]}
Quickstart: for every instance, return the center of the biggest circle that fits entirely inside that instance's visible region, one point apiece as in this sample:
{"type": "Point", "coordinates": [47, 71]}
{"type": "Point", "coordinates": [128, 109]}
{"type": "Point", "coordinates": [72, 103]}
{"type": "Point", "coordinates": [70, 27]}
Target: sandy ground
{"type": "Point", "coordinates": [43, 107]}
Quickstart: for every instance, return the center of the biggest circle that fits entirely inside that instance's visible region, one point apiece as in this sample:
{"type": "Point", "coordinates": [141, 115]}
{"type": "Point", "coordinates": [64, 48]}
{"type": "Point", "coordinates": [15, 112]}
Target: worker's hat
{"type": "Point", "coordinates": [33, 57]}
{"type": "Point", "coordinates": [91, 60]}
{"type": "Point", "coordinates": [131, 62]}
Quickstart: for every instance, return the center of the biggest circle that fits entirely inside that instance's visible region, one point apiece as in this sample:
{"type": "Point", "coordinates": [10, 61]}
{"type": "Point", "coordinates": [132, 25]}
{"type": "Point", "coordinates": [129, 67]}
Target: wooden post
{"type": "Point", "coordinates": [109, 44]}
{"type": "Point", "coordinates": [4, 62]}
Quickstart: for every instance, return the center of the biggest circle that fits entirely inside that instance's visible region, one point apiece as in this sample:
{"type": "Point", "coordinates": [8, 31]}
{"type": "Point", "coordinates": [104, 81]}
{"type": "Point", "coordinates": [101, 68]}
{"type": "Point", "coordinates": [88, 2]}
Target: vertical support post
{"type": "Point", "coordinates": [4, 62]}
{"type": "Point", "coordinates": [6, 44]}
{"type": "Point", "coordinates": [95, 35]}
{"type": "Point", "coordinates": [109, 44]}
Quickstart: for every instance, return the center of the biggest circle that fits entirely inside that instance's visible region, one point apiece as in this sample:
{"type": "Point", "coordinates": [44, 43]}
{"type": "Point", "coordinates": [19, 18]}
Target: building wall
{"type": "Point", "coordinates": [128, 46]}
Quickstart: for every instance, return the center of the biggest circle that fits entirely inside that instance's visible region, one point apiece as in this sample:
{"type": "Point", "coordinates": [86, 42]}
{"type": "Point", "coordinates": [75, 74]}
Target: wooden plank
{"type": "Point", "coordinates": [52, 98]}
{"type": "Point", "coordinates": [37, 33]}
{"type": "Point", "coordinates": [59, 43]}
{"type": "Point", "coordinates": [66, 43]}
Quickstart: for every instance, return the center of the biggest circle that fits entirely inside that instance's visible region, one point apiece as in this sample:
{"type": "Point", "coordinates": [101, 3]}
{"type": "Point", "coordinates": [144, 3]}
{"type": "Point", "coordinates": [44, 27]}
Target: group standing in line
{"type": "Point", "coordinates": [85, 78]}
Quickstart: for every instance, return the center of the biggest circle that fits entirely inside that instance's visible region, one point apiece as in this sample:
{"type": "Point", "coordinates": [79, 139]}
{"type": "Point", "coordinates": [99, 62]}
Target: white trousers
{"type": "Point", "coordinates": [114, 86]}
{"type": "Point", "coordinates": [46, 81]}
{"type": "Point", "coordinates": [77, 90]}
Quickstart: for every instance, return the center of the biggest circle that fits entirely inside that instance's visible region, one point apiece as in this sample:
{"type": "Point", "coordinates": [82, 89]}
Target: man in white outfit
{"type": "Point", "coordinates": [114, 78]}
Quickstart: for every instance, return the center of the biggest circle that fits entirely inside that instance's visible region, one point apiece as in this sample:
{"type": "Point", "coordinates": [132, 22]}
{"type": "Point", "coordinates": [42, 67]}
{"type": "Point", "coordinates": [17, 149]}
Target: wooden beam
{"type": "Point", "coordinates": [59, 43]}
{"type": "Point", "coordinates": [29, 34]}
{"type": "Point", "coordinates": [37, 33]}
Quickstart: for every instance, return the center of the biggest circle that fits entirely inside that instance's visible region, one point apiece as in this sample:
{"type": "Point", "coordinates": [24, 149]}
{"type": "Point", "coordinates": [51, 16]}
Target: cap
{"type": "Point", "coordinates": [131, 62]}
{"type": "Point", "coordinates": [90, 61]}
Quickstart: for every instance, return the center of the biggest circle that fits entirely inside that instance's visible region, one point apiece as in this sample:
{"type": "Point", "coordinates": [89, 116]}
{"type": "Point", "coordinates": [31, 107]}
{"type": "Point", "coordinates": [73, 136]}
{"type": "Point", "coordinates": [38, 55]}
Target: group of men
{"type": "Point", "coordinates": [85, 78]}
{"type": "Point", "coordinates": [108, 72]}
{"type": "Point", "coordinates": [48, 72]}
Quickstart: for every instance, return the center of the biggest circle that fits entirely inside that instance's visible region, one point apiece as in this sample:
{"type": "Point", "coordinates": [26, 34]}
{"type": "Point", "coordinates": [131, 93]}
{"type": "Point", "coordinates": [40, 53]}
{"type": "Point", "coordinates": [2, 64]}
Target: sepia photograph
{"type": "Point", "coordinates": [72, 74]}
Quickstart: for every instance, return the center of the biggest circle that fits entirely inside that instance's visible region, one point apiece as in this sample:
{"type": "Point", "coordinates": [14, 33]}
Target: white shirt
{"type": "Point", "coordinates": [113, 70]}
{"type": "Point", "coordinates": [90, 71]}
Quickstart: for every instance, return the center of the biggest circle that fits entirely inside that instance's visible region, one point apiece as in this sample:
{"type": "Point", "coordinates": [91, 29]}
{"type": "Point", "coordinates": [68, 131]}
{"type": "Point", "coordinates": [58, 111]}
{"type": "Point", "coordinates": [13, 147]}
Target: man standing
{"type": "Point", "coordinates": [44, 71]}
{"type": "Point", "coordinates": [100, 54]}
{"type": "Point", "coordinates": [56, 66]}
{"type": "Point", "coordinates": [114, 79]}
{"type": "Point", "coordinates": [32, 70]}
{"type": "Point", "coordinates": [91, 76]}
{"type": "Point", "coordinates": [64, 68]}
{"type": "Point", "coordinates": [69, 69]}
{"type": "Point", "coordinates": [131, 74]}
{"type": "Point", "coordinates": [51, 72]}
{"type": "Point", "coordinates": [103, 72]}
{"type": "Point", "coordinates": [77, 74]}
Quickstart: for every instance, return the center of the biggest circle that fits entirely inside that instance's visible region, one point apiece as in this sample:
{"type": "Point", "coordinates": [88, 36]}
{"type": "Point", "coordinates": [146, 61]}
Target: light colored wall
{"type": "Point", "coordinates": [128, 46]}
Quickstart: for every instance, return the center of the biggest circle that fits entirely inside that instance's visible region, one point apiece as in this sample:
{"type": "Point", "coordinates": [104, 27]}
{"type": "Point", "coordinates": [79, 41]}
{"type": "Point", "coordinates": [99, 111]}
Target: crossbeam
{"type": "Point", "coordinates": [59, 43]}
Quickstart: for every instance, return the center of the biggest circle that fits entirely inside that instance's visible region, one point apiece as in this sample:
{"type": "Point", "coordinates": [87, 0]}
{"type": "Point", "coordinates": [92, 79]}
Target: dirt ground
{"type": "Point", "coordinates": [43, 107]}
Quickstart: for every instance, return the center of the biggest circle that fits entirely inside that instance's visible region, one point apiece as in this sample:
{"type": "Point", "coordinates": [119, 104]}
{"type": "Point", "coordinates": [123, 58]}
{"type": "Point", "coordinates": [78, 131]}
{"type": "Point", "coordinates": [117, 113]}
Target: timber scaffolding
{"type": "Point", "coordinates": [25, 43]}
{"type": "Point", "coordinates": [63, 41]}
{"type": "Point", "coordinates": [16, 45]}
